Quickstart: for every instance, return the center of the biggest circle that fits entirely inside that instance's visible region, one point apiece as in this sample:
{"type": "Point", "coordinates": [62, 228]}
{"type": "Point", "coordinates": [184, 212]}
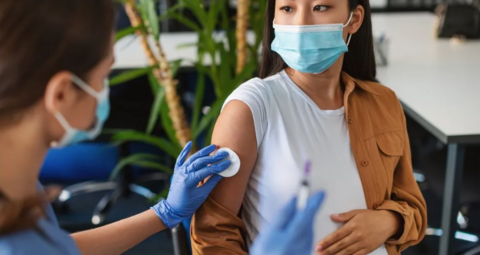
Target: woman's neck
{"type": "Point", "coordinates": [324, 89]}
{"type": "Point", "coordinates": [23, 148]}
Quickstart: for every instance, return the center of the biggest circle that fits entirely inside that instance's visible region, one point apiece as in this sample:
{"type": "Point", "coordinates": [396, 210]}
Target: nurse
{"type": "Point", "coordinates": [54, 58]}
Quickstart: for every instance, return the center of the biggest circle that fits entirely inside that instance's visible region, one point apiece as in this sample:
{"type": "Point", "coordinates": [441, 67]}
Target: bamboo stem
{"type": "Point", "coordinates": [241, 33]}
{"type": "Point", "coordinates": [163, 74]}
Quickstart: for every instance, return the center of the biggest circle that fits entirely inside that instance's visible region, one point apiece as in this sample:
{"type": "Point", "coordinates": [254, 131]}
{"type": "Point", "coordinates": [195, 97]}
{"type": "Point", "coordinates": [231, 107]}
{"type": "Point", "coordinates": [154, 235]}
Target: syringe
{"type": "Point", "coordinates": [304, 191]}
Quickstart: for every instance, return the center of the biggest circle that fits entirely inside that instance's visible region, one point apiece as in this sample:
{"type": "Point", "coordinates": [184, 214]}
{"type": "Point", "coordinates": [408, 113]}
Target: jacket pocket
{"type": "Point", "coordinates": [390, 145]}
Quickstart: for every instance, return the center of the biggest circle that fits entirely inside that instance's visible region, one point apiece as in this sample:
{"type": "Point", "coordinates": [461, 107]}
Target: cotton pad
{"type": "Point", "coordinates": [234, 167]}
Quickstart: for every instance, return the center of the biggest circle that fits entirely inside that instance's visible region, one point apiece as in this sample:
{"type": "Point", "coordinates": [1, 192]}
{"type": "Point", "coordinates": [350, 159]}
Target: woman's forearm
{"type": "Point", "coordinates": [118, 237]}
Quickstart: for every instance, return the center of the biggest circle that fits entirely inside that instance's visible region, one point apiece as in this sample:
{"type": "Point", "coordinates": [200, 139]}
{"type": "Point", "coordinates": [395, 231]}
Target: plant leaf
{"type": "Point", "coordinates": [162, 143]}
{"type": "Point", "coordinates": [131, 160]}
{"type": "Point", "coordinates": [165, 16]}
{"type": "Point", "coordinates": [225, 68]}
{"type": "Point", "coordinates": [155, 111]}
{"type": "Point", "coordinates": [213, 12]}
{"type": "Point", "coordinates": [199, 92]}
{"type": "Point", "coordinates": [246, 73]}
{"type": "Point", "coordinates": [198, 10]}
{"type": "Point", "coordinates": [126, 32]}
{"type": "Point", "coordinates": [150, 18]}
{"type": "Point", "coordinates": [154, 85]}
{"type": "Point", "coordinates": [167, 125]}
{"type": "Point", "coordinates": [129, 75]}
{"type": "Point", "coordinates": [164, 113]}
{"type": "Point", "coordinates": [226, 20]}
{"type": "Point", "coordinates": [174, 66]}
{"type": "Point", "coordinates": [208, 136]}
{"type": "Point", "coordinates": [182, 19]}
{"type": "Point", "coordinates": [153, 165]}
{"type": "Point", "coordinates": [186, 45]}
{"type": "Point", "coordinates": [207, 119]}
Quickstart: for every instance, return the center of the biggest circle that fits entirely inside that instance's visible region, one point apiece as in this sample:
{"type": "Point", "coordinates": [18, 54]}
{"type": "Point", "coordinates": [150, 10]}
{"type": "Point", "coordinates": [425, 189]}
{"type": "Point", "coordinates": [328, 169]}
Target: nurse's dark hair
{"type": "Point", "coordinates": [37, 40]}
{"type": "Point", "coordinates": [359, 61]}
{"type": "Point", "coordinates": [41, 38]}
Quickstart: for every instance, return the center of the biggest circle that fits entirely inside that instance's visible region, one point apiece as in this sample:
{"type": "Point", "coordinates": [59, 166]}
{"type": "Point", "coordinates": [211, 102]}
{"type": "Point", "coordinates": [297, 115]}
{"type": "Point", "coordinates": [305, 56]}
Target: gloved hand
{"type": "Point", "coordinates": [291, 232]}
{"type": "Point", "coordinates": [184, 196]}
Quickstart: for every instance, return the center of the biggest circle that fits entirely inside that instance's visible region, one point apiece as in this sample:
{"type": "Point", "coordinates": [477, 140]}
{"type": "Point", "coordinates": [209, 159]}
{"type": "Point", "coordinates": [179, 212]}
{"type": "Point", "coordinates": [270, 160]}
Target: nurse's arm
{"type": "Point", "coordinates": [118, 237]}
{"type": "Point", "coordinates": [216, 228]}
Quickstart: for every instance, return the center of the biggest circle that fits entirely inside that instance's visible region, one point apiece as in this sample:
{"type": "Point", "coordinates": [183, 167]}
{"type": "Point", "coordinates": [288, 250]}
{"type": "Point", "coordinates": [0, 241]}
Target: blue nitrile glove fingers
{"type": "Point", "coordinates": [292, 232]}
{"type": "Point", "coordinates": [184, 196]}
{"type": "Point", "coordinates": [305, 218]}
{"type": "Point", "coordinates": [183, 155]}
{"type": "Point", "coordinates": [200, 154]}
{"type": "Point", "coordinates": [199, 175]}
{"type": "Point", "coordinates": [286, 215]}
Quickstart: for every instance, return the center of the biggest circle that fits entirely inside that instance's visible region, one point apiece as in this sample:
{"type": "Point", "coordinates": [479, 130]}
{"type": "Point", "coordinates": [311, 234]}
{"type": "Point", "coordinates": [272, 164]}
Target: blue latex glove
{"type": "Point", "coordinates": [184, 196]}
{"type": "Point", "coordinates": [291, 232]}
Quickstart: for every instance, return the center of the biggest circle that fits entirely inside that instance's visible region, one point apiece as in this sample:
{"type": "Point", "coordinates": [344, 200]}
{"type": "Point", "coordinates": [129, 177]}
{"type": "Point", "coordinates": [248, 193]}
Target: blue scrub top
{"type": "Point", "coordinates": [48, 238]}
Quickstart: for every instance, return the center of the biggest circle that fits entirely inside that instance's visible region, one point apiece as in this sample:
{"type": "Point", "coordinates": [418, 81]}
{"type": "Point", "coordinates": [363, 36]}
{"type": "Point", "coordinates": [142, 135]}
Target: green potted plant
{"type": "Point", "coordinates": [232, 59]}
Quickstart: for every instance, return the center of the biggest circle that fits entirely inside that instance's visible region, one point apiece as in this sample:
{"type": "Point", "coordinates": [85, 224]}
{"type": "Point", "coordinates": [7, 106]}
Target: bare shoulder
{"type": "Point", "coordinates": [235, 130]}
{"type": "Point", "coordinates": [236, 118]}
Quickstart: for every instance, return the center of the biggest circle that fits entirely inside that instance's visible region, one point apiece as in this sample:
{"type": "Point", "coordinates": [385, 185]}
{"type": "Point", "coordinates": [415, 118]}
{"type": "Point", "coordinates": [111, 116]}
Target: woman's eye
{"type": "Point", "coordinates": [286, 9]}
{"type": "Point", "coordinates": [320, 8]}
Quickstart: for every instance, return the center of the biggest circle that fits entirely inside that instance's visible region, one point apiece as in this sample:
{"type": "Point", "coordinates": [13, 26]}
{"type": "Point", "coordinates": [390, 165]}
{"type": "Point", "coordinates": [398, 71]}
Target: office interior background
{"type": "Point", "coordinates": [428, 52]}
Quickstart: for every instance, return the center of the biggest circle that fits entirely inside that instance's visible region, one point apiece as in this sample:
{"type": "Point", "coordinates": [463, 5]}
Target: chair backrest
{"type": "Point", "coordinates": [80, 162]}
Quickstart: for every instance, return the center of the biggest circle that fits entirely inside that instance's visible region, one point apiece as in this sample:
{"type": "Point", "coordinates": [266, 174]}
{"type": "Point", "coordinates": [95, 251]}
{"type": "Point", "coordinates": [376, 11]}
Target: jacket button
{"type": "Point", "coordinates": [349, 120]}
{"type": "Point", "coordinates": [364, 163]}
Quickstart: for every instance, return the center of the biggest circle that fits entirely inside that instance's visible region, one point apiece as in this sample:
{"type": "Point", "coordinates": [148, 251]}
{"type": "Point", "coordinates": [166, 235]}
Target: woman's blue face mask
{"type": "Point", "coordinates": [310, 48]}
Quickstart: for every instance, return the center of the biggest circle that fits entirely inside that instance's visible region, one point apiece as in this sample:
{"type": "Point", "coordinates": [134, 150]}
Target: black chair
{"type": "Point", "coordinates": [180, 238]}
{"type": "Point", "coordinates": [123, 186]}
{"type": "Point", "coordinates": [429, 161]}
{"type": "Point", "coordinates": [468, 216]}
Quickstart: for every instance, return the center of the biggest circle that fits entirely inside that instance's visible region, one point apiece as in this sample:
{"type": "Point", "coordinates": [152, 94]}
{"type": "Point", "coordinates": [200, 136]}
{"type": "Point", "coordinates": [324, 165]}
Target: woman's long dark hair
{"type": "Point", "coordinates": [39, 38]}
{"type": "Point", "coordinates": [359, 61]}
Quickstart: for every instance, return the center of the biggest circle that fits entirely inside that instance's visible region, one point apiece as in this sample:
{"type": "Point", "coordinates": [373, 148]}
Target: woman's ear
{"type": "Point", "coordinates": [357, 20]}
{"type": "Point", "coordinates": [59, 93]}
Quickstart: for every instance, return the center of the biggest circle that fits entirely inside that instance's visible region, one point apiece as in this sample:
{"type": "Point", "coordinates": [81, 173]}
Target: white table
{"type": "Point", "coordinates": [438, 83]}
{"type": "Point", "coordinates": [129, 53]}
{"type": "Point", "coordinates": [378, 3]}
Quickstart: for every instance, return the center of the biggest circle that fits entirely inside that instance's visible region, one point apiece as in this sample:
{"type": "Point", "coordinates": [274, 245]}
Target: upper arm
{"type": "Point", "coordinates": [235, 129]}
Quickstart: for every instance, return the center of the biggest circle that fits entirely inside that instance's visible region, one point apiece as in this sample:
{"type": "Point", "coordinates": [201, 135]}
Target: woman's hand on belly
{"type": "Point", "coordinates": [364, 231]}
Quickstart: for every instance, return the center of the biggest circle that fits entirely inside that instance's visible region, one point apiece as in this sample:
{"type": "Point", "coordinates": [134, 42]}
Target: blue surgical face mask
{"type": "Point", "coordinates": [310, 48]}
{"type": "Point", "coordinates": [73, 135]}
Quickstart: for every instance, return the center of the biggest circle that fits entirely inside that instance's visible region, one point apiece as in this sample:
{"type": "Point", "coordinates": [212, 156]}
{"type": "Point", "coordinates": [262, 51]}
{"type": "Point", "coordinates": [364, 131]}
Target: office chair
{"type": "Point", "coordinates": [181, 238]}
{"type": "Point", "coordinates": [92, 162]}
{"type": "Point", "coordinates": [434, 171]}
{"type": "Point", "coordinates": [429, 173]}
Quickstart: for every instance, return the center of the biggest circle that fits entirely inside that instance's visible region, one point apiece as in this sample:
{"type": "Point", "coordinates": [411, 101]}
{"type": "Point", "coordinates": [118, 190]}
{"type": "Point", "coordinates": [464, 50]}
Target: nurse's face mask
{"type": "Point", "coordinates": [310, 48]}
{"type": "Point", "coordinates": [73, 135]}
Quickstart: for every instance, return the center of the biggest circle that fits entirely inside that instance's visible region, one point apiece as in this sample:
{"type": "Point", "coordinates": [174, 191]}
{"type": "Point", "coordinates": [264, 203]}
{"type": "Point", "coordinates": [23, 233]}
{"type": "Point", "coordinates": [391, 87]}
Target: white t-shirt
{"type": "Point", "coordinates": [290, 129]}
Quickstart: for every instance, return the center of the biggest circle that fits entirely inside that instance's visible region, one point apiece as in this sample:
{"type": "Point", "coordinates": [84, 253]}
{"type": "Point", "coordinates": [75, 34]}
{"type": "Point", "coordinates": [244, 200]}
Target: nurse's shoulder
{"type": "Point", "coordinates": [23, 243]}
{"type": "Point", "coordinates": [46, 238]}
